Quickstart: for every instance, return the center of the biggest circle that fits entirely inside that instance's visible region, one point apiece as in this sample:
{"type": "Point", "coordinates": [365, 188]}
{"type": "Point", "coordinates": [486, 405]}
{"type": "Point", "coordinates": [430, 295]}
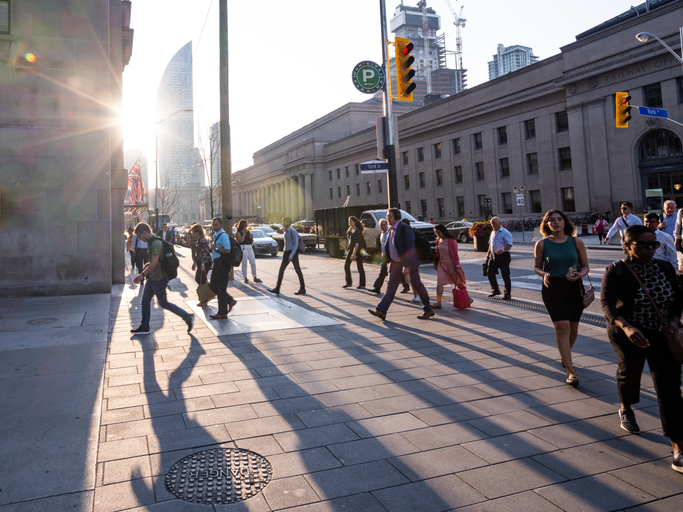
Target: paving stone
{"type": "Point", "coordinates": [527, 501]}
{"type": "Point", "coordinates": [510, 478]}
{"type": "Point", "coordinates": [656, 477]}
{"type": "Point", "coordinates": [572, 462]}
{"type": "Point", "coordinates": [329, 415]}
{"type": "Point", "coordinates": [434, 495]}
{"type": "Point", "coordinates": [144, 427]}
{"type": "Point", "coordinates": [509, 423]}
{"type": "Point", "coordinates": [315, 437]}
{"type": "Point", "coordinates": [509, 447]}
{"type": "Point", "coordinates": [432, 463]}
{"type": "Point", "coordinates": [116, 471]}
{"type": "Point", "coordinates": [286, 405]}
{"type": "Point", "coordinates": [595, 493]}
{"type": "Point", "coordinates": [366, 450]}
{"type": "Point", "coordinates": [302, 462]}
{"type": "Point", "coordinates": [348, 396]}
{"type": "Point", "coordinates": [134, 493]}
{"type": "Point", "coordinates": [443, 435]}
{"type": "Point", "coordinates": [308, 388]}
{"type": "Point", "coordinates": [386, 425]}
{"type": "Point", "coordinates": [395, 405]}
{"type": "Point", "coordinates": [666, 505]}
{"type": "Point", "coordinates": [188, 438]}
{"type": "Point", "coordinates": [364, 502]}
{"type": "Point", "coordinates": [113, 450]}
{"type": "Point", "coordinates": [449, 413]}
{"type": "Point", "coordinates": [575, 433]}
{"type": "Point", "coordinates": [219, 415]}
{"type": "Point", "coordinates": [641, 448]}
{"type": "Point", "coordinates": [289, 492]}
{"type": "Point", "coordinates": [74, 502]}
{"type": "Point", "coordinates": [371, 476]}
{"type": "Point", "coordinates": [244, 397]}
{"type": "Point", "coordinates": [264, 426]}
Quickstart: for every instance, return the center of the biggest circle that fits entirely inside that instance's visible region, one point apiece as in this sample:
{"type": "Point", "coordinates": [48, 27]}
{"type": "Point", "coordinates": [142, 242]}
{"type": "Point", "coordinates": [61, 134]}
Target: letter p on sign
{"type": "Point", "coordinates": [368, 74]}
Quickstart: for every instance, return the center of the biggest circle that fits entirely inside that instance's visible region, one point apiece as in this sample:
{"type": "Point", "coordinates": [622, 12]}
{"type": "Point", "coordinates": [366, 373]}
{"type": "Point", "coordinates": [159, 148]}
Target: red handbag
{"type": "Point", "coordinates": [461, 299]}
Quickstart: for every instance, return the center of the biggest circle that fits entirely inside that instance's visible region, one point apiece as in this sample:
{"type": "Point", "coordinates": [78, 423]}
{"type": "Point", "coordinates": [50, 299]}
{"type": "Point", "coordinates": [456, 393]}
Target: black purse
{"type": "Point", "coordinates": [485, 267]}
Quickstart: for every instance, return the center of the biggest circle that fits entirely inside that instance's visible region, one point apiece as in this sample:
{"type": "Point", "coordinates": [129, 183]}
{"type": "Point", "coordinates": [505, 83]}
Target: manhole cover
{"type": "Point", "coordinates": [220, 476]}
{"type": "Point", "coordinates": [41, 321]}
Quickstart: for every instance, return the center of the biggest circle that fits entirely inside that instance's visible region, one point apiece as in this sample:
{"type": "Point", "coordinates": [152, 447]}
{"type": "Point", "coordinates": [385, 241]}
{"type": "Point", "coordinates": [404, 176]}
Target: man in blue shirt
{"type": "Point", "coordinates": [500, 243]}
{"type": "Point", "coordinates": [293, 246]}
{"type": "Point", "coordinates": [221, 270]}
{"type": "Point", "coordinates": [668, 223]}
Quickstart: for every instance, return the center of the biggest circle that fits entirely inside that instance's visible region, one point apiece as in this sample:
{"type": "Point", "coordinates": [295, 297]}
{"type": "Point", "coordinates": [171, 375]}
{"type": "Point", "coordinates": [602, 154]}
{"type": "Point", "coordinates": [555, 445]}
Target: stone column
{"type": "Point", "coordinates": [294, 192]}
{"type": "Point", "coordinates": [309, 195]}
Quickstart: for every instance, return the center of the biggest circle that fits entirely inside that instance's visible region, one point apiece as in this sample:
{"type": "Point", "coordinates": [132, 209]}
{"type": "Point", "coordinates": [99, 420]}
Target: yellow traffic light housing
{"type": "Point", "coordinates": [623, 115]}
{"type": "Point", "coordinates": [404, 73]}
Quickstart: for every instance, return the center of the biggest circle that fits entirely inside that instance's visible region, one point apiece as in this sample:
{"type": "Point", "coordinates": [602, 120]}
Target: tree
{"type": "Point", "coordinates": [168, 200]}
{"type": "Point", "coordinates": [211, 157]}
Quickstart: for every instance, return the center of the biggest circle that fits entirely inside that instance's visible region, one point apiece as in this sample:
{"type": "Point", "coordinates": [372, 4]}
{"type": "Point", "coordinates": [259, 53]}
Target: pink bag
{"type": "Point", "coordinates": [460, 298]}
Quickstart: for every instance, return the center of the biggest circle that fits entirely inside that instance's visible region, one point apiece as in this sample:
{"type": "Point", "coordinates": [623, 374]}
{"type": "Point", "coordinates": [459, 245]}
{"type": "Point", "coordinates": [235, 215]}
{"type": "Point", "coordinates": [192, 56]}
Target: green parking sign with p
{"type": "Point", "coordinates": [368, 77]}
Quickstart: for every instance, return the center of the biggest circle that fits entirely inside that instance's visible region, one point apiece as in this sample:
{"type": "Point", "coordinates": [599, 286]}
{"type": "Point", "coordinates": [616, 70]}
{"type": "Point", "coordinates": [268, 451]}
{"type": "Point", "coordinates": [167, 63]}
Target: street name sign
{"type": "Point", "coordinates": [653, 112]}
{"type": "Point", "coordinates": [368, 77]}
{"type": "Point", "coordinates": [374, 166]}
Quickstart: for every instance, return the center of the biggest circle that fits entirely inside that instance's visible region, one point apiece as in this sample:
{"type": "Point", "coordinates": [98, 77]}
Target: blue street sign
{"type": "Point", "coordinates": [374, 166]}
{"type": "Point", "coordinates": [653, 112]}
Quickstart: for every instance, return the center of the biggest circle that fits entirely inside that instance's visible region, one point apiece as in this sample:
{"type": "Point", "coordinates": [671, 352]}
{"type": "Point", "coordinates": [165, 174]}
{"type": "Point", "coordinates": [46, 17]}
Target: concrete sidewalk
{"type": "Point", "coordinates": [467, 411]}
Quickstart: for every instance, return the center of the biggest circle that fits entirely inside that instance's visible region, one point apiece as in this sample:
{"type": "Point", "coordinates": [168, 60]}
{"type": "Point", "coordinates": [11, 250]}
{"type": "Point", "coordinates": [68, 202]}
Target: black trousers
{"type": "Point", "coordinates": [383, 271]}
{"type": "Point", "coordinates": [200, 275]}
{"type": "Point", "coordinates": [297, 269]}
{"type": "Point", "coordinates": [141, 258]}
{"type": "Point", "coordinates": [666, 377]}
{"type": "Point", "coordinates": [359, 266]}
{"type": "Point", "coordinates": [500, 262]}
{"type": "Point", "coordinates": [219, 285]}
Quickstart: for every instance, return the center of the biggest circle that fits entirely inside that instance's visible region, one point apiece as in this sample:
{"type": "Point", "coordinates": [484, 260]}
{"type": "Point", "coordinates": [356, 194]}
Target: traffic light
{"type": "Point", "coordinates": [623, 116]}
{"type": "Point", "coordinates": [404, 74]}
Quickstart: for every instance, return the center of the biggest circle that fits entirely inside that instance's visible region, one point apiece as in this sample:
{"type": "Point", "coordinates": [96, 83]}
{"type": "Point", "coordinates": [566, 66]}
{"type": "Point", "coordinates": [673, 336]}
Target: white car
{"type": "Point", "coordinates": [263, 244]}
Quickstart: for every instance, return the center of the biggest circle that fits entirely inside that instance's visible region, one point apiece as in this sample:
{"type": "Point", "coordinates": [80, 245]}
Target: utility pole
{"type": "Point", "coordinates": [226, 166]}
{"type": "Point", "coordinates": [389, 136]}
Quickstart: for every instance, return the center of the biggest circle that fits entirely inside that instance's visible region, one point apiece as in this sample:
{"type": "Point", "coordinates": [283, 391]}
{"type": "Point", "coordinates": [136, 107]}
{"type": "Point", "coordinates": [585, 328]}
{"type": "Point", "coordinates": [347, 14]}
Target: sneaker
{"type": "Point", "coordinates": [190, 321]}
{"type": "Point", "coordinates": [416, 299]}
{"type": "Point", "coordinates": [628, 421]}
{"type": "Point", "coordinates": [677, 462]}
{"type": "Point", "coordinates": [141, 330]}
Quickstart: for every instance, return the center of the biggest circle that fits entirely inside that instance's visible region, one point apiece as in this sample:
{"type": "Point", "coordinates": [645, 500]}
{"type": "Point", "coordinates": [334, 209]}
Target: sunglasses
{"type": "Point", "coordinates": [647, 243]}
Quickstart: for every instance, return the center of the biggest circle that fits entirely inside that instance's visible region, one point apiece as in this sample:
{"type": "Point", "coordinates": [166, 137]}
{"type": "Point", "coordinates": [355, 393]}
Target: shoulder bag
{"type": "Point", "coordinates": [587, 296]}
{"type": "Point", "coordinates": [204, 292]}
{"type": "Point", "coordinates": [674, 340]}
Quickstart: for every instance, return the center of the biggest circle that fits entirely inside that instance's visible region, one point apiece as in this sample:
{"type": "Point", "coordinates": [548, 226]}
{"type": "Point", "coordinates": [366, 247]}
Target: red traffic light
{"type": "Point", "coordinates": [625, 100]}
{"type": "Point", "coordinates": [408, 48]}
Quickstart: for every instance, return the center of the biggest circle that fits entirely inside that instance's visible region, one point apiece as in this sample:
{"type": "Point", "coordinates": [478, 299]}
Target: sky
{"type": "Point", "coordinates": [290, 62]}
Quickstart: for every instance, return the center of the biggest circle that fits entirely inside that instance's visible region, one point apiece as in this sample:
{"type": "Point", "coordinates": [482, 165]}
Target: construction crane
{"type": "Point", "coordinates": [459, 23]}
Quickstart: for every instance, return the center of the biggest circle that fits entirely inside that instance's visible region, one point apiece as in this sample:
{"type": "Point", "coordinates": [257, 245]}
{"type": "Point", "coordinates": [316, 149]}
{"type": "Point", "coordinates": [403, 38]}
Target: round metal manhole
{"type": "Point", "coordinates": [219, 476]}
{"type": "Point", "coordinates": [41, 321]}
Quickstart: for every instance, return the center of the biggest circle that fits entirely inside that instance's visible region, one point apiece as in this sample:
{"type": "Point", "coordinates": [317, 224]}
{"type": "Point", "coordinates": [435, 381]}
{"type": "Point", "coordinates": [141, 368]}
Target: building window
{"type": "Point", "coordinates": [461, 206]}
{"type": "Point", "coordinates": [535, 200]}
{"type": "Point", "coordinates": [405, 158]}
{"type": "Point", "coordinates": [379, 186]}
{"type": "Point", "coordinates": [502, 135]}
{"type": "Point", "coordinates": [406, 182]}
{"type": "Point", "coordinates": [565, 158]}
{"type": "Point", "coordinates": [331, 194]}
{"type": "Point", "coordinates": [423, 207]}
{"type": "Point", "coordinates": [4, 17]}
{"type": "Point", "coordinates": [408, 206]}
{"type": "Point", "coordinates": [456, 146]}
{"type": "Point", "coordinates": [421, 178]}
{"type": "Point", "coordinates": [348, 190]}
{"type": "Point", "coordinates": [437, 150]}
{"type": "Point", "coordinates": [347, 171]}
{"type": "Point", "coordinates": [504, 167]}
{"type": "Point", "coordinates": [357, 189]}
{"type": "Point", "coordinates": [478, 142]}
{"type": "Point", "coordinates": [479, 171]}
{"type": "Point", "coordinates": [568, 199]}
{"type": "Point", "coordinates": [357, 169]}
{"type": "Point", "coordinates": [530, 129]}
{"type": "Point", "coordinates": [330, 173]}
{"type": "Point", "coordinates": [338, 173]}
{"type": "Point", "coordinates": [507, 202]}
{"type": "Point", "coordinates": [339, 192]}
{"type": "Point", "coordinates": [458, 173]}
{"type": "Point", "coordinates": [653, 96]}
{"type": "Point", "coordinates": [532, 163]}
{"type": "Point", "coordinates": [561, 121]}
{"type": "Point", "coordinates": [420, 154]}
{"type": "Point", "coordinates": [679, 88]}
{"type": "Point", "coordinates": [439, 177]}
{"type": "Point", "coordinates": [442, 208]}
{"type": "Point", "coordinates": [481, 200]}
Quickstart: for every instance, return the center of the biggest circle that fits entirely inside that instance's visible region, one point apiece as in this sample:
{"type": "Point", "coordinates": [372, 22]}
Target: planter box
{"type": "Point", "coordinates": [481, 243]}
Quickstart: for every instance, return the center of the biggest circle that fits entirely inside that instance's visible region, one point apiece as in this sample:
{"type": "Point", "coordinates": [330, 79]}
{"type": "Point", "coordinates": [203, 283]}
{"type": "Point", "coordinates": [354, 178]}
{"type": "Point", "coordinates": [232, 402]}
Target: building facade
{"type": "Point", "coordinates": [175, 122]}
{"type": "Point", "coordinates": [509, 59]}
{"type": "Point", "coordinates": [549, 128]}
{"type": "Point", "coordinates": [62, 177]}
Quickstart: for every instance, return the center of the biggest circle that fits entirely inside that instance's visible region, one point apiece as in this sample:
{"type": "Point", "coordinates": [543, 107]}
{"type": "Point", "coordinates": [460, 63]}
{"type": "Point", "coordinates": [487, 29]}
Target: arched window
{"type": "Point", "coordinates": [660, 144]}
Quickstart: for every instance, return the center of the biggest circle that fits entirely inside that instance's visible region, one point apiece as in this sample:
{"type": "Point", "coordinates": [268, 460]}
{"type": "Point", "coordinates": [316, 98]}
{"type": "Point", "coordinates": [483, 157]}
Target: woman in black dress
{"type": "Point", "coordinates": [202, 256]}
{"type": "Point", "coordinates": [354, 237]}
{"type": "Point", "coordinates": [637, 334]}
{"type": "Point", "coordinates": [560, 259]}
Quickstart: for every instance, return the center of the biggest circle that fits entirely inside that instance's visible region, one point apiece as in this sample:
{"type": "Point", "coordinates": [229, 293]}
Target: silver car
{"type": "Point", "coordinates": [459, 229]}
{"type": "Point", "coordinates": [263, 244]}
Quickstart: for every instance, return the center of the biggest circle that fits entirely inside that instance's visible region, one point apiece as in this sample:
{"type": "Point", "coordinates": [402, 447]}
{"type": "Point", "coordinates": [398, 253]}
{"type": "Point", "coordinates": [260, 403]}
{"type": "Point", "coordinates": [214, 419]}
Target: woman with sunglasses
{"type": "Point", "coordinates": [560, 259]}
{"type": "Point", "coordinates": [636, 332]}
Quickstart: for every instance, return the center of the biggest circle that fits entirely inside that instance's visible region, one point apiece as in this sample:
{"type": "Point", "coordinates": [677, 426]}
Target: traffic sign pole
{"type": "Point", "coordinates": [389, 148]}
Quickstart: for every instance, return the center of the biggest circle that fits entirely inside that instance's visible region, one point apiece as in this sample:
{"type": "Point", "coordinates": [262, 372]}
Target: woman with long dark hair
{"type": "Point", "coordinates": [354, 248]}
{"type": "Point", "coordinates": [202, 257]}
{"type": "Point", "coordinates": [246, 240]}
{"type": "Point", "coordinates": [637, 293]}
{"type": "Point", "coordinates": [446, 262]}
{"type": "Point", "coordinates": [560, 259]}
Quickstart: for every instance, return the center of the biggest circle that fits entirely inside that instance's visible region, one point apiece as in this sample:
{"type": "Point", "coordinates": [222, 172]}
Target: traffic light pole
{"type": "Point", "coordinates": [389, 136]}
{"type": "Point", "coordinates": [226, 160]}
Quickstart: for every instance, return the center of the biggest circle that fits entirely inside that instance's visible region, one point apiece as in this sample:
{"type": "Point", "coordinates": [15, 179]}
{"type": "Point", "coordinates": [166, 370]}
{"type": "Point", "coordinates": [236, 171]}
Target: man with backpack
{"type": "Point", "coordinates": [294, 245]}
{"type": "Point", "coordinates": [157, 280]}
{"type": "Point", "coordinates": [220, 274]}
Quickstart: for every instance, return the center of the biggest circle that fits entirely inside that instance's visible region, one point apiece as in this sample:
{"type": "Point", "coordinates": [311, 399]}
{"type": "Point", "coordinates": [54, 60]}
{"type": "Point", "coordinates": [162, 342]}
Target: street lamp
{"type": "Point", "coordinates": [644, 37]}
{"type": "Point", "coordinates": [156, 164]}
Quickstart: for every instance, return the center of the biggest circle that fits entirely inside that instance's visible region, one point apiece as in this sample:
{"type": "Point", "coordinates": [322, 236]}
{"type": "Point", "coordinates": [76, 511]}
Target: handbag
{"type": "Point", "coordinates": [675, 341]}
{"type": "Point", "coordinates": [485, 267]}
{"type": "Point", "coordinates": [461, 299]}
{"type": "Point", "coordinates": [587, 296]}
{"type": "Point", "coordinates": [204, 292]}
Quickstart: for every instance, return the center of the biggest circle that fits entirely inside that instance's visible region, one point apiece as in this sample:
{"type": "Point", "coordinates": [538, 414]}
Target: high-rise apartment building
{"type": "Point", "coordinates": [509, 59]}
{"type": "Point", "coordinates": [175, 122]}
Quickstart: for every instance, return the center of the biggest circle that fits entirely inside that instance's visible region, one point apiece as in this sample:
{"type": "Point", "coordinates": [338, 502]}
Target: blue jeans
{"type": "Point", "coordinates": [395, 274]}
{"type": "Point", "coordinates": [158, 289]}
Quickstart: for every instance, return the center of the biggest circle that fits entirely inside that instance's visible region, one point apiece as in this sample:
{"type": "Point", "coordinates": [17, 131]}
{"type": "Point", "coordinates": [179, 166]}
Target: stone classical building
{"type": "Point", "coordinates": [549, 127]}
{"type": "Point", "coordinates": [62, 177]}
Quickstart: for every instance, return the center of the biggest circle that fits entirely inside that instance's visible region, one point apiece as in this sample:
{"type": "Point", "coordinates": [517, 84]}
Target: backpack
{"type": "Point", "coordinates": [422, 246]}
{"type": "Point", "coordinates": [169, 261]}
{"type": "Point", "coordinates": [234, 257]}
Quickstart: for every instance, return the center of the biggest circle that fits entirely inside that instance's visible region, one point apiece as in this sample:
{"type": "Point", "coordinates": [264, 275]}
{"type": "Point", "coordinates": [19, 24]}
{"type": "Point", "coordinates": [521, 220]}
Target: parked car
{"type": "Point", "coordinates": [459, 229]}
{"type": "Point", "coordinates": [310, 240]}
{"type": "Point", "coordinates": [304, 226]}
{"type": "Point", "coordinates": [266, 229]}
{"type": "Point", "coordinates": [263, 244]}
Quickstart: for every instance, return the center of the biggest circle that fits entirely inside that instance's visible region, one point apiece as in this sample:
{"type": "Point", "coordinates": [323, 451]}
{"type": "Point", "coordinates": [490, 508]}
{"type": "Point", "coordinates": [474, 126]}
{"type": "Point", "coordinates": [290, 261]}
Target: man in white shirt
{"type": "Point", "coordinates": [666, 250]}
{"type": "Point", "coordinates": [627, 219]}
{"type": "Point", "coordinates": [668, 222]}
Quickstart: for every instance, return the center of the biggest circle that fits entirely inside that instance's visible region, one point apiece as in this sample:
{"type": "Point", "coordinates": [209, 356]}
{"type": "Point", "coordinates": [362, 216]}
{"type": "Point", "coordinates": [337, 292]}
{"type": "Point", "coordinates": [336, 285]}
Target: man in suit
{"type": "Point", "coordinates": [380, 244]}
{"type": "Point", "coordinates": [166, 234]}
{"type": "Point", "coordinates": [403, 259]}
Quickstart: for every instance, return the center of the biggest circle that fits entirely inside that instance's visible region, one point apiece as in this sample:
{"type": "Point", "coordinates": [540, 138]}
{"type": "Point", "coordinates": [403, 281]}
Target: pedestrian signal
{"type": "Point", "coordinates": [623, 115]}
{"type": "Point", "coordinates": [404, 73]}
